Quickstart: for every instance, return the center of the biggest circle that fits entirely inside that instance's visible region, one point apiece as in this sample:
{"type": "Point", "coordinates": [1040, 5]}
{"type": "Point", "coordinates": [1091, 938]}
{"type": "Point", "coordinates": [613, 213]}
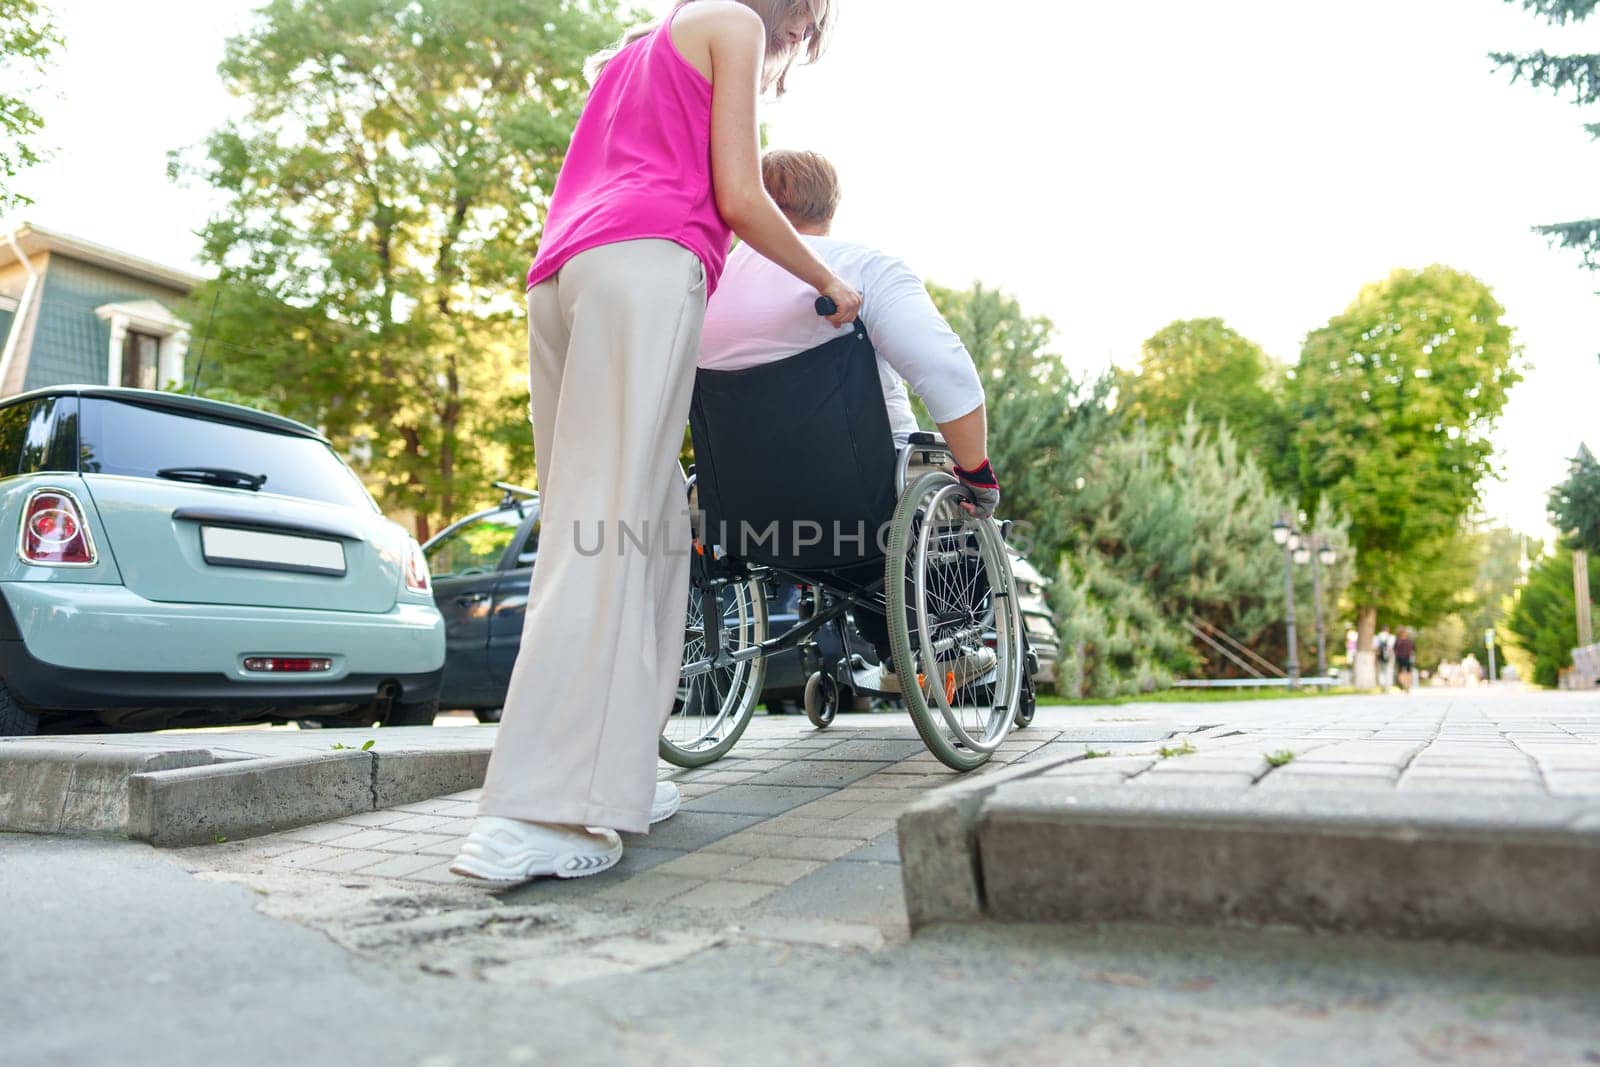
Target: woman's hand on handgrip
{"type": "Point", "coordinates": [846, 302]}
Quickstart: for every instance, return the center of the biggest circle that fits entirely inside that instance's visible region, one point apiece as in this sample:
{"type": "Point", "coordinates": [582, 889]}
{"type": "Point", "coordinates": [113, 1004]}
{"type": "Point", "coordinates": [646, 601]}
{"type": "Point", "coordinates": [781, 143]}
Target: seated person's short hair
{"type": "Point", "coordinates": [804, 185]}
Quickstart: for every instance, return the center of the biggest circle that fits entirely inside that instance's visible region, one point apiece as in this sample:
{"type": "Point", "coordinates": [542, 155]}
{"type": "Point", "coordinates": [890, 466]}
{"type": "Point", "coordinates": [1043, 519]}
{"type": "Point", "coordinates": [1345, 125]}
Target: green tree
{"type": "Point", "coordinates": [1205, 366]}
{"type": "Point", "coordinates": [1395, 399]}
{"type": "Point", "coordinates": [1482, 602]}
{"type": "Point", "coordinates": [1579, 73]}
{"type": "Point", "coordinates": [1544, 623]}
{"type": "Point", "coordinates": [27, 40]}
{"type": "Point", "coordinates": [1174, 529]}
{"type": "Point", "coordinates": [1575, 503]}
{"type": "Point", "coordinates": [1115, 640]}
{"type": "Point", "coordinates": [1445, 640]}
{"type": "Point", "coordinates": [383, 196]}
{"type": "Point", "coordinates": [1044, 421]}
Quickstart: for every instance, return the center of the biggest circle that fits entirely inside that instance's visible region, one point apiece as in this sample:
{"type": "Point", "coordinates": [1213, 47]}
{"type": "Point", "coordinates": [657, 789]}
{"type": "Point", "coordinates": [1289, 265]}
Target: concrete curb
{"type": "Point", "coordinates": [407, 777]}
{"type": "Point", "coordinates": [187, 795]}
{"type": "Point", "coordinates": [196, 805]}
{"type": "Point", "coordinates": [50, 788]}
{"type": "Point", "coordinates": [1499, 870]}
{"type": "Point", "coordinates": [938, 844]}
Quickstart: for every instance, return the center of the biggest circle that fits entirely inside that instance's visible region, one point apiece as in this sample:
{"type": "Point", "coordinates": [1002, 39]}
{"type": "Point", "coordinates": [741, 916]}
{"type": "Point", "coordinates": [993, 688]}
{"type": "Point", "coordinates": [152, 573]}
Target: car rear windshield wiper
{"type": "Point", "coordinates": [215, 476]}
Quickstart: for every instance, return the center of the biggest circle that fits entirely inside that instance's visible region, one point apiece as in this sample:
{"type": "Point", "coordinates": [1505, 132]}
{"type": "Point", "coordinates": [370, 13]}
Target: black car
{"type": "Point", "coordinates": [783, 691]}
{"type": "Point", "coordinates": [481, 568]}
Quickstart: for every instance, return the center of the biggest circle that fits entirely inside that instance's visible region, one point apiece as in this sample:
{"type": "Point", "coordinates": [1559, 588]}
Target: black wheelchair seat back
{"type": "Point", "coordinates": [794, 462]}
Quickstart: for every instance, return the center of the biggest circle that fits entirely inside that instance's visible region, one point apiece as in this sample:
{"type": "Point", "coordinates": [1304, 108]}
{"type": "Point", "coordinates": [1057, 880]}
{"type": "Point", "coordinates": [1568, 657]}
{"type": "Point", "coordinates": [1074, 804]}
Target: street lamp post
{"type": "Point", "coordinates": [1287, 537]}
{"type": "Point", "coordinates": [1324, 557]}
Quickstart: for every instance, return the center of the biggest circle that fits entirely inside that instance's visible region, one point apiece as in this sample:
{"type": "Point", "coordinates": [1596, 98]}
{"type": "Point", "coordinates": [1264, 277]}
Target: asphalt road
{"type": "Point", "coordinates": [112, 952]}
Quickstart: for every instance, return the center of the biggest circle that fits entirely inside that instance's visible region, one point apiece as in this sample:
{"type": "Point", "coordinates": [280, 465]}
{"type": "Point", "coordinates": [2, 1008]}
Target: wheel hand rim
{"type": "Point", "coordinates": [976, 726]}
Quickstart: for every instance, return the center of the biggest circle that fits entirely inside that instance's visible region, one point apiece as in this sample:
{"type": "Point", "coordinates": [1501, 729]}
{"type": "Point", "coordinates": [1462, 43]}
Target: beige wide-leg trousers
{"type": "Point", "coordinates": [612, 345]}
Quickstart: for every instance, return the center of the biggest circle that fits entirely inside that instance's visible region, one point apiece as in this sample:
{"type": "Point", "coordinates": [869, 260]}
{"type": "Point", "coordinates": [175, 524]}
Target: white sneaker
{"type": "Point", "coordinates": [508, 851]}
{"type": "Point", "coordinates": [887, 680]}
{"type": "Point", "coordinates": [975, 663]}
{"type": "Point", "coordinates": [972, 664]}
{"type": "Point", "coordinates": [667, 802]}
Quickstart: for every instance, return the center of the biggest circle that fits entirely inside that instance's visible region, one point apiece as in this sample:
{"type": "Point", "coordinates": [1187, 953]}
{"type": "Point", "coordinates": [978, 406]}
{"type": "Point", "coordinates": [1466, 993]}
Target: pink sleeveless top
{"type": "Point", "coordinates": [640, 163]}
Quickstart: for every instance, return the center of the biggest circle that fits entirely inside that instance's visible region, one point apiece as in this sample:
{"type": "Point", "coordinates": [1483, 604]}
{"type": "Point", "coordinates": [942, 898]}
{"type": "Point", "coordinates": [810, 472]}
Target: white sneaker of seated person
{"type": "Point", "coordinates": [507, 851]}
{"type": "Point", "coordinates": [973, 663]}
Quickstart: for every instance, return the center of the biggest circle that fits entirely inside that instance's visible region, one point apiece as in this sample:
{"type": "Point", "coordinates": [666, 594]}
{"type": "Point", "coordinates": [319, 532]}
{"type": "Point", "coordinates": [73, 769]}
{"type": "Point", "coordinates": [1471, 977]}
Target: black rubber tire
{"type": "Point", "coordinates": [755, 595]}
{"type": "Point", "coordinates": [16, 720]}
{"type": "Point", "coordinates": [421, 713]}
{"type": "Point", "coordinates": [927, 720]}
{"type": "Point", "coordinates": [1027, 704]}
{"type": "Point", "coordinates": [488, 714]}
{"type": "Point", "coordinates": [822, 700]}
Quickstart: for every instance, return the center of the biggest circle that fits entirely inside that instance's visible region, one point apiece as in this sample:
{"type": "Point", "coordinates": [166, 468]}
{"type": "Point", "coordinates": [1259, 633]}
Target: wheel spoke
{"type": "Point", "coordinates": [955, 565]}
{"type": "Point", "coordinates": [714, 704]}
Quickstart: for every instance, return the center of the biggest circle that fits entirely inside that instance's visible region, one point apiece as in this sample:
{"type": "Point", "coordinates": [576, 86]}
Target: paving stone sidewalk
{"type": "Point", "coordinates": [1459, 741]}
{"type": "Point", "coordinates": [794, 834]}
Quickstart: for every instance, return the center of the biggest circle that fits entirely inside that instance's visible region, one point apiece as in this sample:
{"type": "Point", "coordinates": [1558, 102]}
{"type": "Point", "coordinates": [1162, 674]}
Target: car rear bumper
{"type": "Point", "coordinates": [68, 646]}
{"type": "Point", "coordinates": [47, 687]}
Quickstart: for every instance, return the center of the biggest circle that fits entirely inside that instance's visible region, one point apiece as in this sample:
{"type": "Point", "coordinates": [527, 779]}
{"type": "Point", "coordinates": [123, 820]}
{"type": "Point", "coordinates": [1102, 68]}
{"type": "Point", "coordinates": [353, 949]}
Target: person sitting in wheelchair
{"type": "Point", "coordinates": [760, 315]}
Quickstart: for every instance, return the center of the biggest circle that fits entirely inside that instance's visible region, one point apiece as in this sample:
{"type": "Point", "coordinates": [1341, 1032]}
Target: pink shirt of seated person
{"type": "Point", "coordinates": [761, 314]}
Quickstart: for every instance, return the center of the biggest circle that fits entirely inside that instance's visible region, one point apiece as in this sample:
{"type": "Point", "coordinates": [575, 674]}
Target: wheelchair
{"type": "Point", "coordinates": [875, 534]}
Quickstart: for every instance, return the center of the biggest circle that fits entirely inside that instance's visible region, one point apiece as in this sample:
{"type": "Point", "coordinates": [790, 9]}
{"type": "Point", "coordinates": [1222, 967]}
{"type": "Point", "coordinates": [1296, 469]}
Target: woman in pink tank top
{"type": "Point", "coordinates": [663, 170]}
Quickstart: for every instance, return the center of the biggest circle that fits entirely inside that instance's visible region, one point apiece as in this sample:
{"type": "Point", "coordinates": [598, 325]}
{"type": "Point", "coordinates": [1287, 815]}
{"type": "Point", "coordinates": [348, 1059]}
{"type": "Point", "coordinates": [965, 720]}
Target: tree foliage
{"type": "Point", "coordinates": [1483, 601]}
{"type": "Point", "coordinates": [27, 41]}
{"type": "Point", "coordinates": [1575, 504]}
{"type": "Point", "coordinates": [1175, 528]}
{"type": "Point", "coordinates": [1579, 73]}
{"type": "Point", "coordinates": [1395, 400]}
{"type": "Point", "coordinates": [1202, 365]}
{"type": "Point", "coordinates": [1544, 623]}
{"type": "Point", "coordinates": [1560, 11]}
{"type": "Point", "coordinates": [1044, 421]}
{"type": "Point", "coordinates": [383, 197]}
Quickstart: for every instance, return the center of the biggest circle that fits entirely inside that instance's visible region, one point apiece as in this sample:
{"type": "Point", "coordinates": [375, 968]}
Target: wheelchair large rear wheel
{"type": "Point", "coordinates": [713, 707]}
{"type": "Point", "coordinates": [954, 624]}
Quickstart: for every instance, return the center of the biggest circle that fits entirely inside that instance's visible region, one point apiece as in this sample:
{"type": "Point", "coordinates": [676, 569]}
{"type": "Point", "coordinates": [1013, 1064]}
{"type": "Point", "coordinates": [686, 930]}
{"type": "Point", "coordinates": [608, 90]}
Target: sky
{"type": "Point", "coordinates": [1115, 166]}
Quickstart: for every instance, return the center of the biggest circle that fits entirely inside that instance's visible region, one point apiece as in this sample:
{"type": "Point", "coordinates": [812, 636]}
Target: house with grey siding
{"type": "Point", "coordinates": [73, 312]}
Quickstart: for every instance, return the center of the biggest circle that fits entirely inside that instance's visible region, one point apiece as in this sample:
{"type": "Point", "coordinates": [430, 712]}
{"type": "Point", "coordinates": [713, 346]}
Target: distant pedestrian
{"type": "Point", "coordinates": [1383, 646]}
{"type": "Point", "coordinates": [1405, 656]}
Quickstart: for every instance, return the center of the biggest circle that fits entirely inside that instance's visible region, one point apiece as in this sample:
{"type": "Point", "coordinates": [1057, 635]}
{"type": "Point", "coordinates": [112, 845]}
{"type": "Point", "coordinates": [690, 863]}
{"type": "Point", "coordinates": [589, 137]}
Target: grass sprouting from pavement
{"type": "Point", "coordinates": [1195, 696]}
{"type": "Point", "coordinates": [1278, 759]}
{"type": "Point", "coordinates": [1185, 749]}
{"type": "Point", "coordinates": [1090, 753]}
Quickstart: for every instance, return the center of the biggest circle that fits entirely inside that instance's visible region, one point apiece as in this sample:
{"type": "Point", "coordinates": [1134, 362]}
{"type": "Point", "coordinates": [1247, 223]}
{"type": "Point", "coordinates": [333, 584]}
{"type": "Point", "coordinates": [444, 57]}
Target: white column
{"type": "Point", "coordinates": [173, 350]}
{"type": "Point", "coordinates": [119, 337]}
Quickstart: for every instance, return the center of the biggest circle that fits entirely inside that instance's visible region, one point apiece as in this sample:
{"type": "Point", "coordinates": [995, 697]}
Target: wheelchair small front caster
{"type": "Point", "coordinates": [1027, 703]}
{"type": "Point", "coordinates": [821, 699]}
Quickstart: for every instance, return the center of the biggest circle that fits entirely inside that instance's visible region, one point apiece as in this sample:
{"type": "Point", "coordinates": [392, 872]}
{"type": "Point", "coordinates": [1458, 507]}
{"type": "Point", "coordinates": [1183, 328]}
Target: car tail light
{"type": "Point", "coordinates": [417, 579]}
{"type": "Point", "coordinates": [288, 664]}
{"type": "Point", "coordinates": [53, 531]}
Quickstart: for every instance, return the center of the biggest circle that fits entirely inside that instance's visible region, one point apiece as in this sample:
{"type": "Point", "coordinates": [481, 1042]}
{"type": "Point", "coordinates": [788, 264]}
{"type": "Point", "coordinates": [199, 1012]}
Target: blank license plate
{"type": "Point", "coordinates": [227, 547]}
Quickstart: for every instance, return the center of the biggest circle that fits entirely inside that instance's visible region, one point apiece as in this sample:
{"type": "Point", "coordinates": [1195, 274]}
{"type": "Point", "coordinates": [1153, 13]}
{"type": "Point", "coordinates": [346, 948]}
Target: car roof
{"type": "Point", "coordinates": [181, 403]}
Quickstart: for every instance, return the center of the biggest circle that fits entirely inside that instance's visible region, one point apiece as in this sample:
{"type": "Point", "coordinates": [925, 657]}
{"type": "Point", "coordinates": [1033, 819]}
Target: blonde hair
{"type": "Point", "coordinates": [773, 14]}
{"type": "Point", "coordinates": [804, 185]}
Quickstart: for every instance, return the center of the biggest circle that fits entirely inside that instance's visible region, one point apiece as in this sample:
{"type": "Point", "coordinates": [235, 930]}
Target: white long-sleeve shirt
{"type": "Point", "coordinates": [761, 313]}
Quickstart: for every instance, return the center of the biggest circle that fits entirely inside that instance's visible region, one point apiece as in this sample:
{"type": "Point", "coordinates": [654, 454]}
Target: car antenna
{"type": "Point", "coordinates": [205, 341]}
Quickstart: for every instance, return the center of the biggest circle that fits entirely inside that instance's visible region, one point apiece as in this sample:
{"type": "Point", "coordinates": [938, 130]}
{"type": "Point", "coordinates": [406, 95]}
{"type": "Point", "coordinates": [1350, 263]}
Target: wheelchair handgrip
{"type": "Point", "coordinates": [826, 306]}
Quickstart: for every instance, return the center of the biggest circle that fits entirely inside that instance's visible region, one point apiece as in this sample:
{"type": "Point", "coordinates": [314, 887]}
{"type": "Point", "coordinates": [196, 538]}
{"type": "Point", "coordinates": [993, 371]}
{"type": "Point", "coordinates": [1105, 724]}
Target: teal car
{"type": "Point", "coordinates": [182, 562]}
